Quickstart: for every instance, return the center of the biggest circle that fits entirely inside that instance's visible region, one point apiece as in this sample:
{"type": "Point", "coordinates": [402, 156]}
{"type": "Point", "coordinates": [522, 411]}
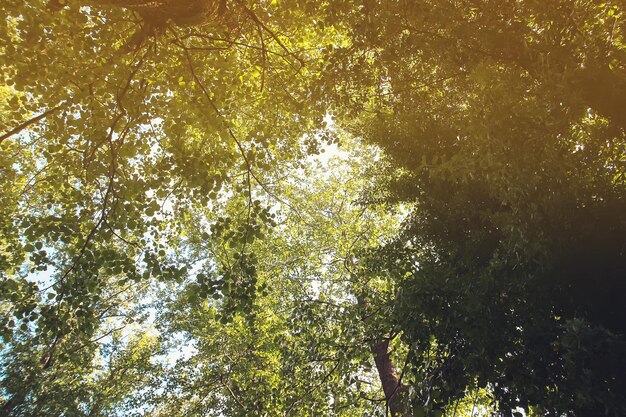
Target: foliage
{"type": "Point", "coordinates": [174, 240]}
{"type": "Point", "coordinates": [512, 152]}
{"type": "Point", "coordinates": [301, 352]}
{"type": "Point", "coordinates": [108, 150]}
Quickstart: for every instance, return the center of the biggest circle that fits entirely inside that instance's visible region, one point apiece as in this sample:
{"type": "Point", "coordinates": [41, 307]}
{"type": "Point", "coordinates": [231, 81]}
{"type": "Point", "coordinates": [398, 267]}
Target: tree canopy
{"type": "Point", "coordinates": [312, 208]}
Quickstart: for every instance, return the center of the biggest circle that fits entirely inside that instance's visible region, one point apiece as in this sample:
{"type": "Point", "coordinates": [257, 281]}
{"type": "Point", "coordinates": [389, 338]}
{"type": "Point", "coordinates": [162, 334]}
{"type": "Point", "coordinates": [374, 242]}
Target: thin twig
{"type": "Point", "coordinates": [258, 21]}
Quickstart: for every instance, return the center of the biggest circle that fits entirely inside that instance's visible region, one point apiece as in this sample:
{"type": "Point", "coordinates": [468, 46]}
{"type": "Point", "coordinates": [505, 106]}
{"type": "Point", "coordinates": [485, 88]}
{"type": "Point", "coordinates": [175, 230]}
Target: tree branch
{"type": "Point", "coordinates": [30, 122]}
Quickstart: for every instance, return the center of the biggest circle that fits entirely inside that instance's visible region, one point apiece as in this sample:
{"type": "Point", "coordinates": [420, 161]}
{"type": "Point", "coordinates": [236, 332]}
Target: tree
{"type": "Point", "coordinates": [160, 189]}
{"type": "Point", "coordinates": [107, 147]}
{"type": "Point", "coordinates": [506, 123]}
{"type": "Point", "coordinates": [305, 349]}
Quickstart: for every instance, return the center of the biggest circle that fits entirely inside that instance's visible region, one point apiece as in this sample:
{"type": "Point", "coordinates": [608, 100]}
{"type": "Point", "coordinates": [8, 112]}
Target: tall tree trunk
{"type": "Point", "coordinates": [396, 401]}
{"type": "Point", "coordinates": [390, 381]}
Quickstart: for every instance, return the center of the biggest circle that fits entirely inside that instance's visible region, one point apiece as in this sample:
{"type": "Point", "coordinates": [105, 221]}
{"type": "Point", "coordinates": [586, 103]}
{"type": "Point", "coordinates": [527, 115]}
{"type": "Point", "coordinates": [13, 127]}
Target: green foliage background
{"type": "Point", "coordinates": [226, 215]}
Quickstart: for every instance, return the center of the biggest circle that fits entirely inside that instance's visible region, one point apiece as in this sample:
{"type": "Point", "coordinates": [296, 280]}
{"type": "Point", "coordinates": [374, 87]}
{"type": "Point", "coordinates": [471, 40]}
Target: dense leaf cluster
{"type": "Point", "coordinates": [507, 122]}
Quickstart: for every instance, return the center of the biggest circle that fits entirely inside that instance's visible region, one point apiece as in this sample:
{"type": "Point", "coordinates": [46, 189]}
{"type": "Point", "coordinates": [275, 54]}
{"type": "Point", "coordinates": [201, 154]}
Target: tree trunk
{"type": "Point", "coordinates": [390, 381]}
{"type": "Point", "coordinates": [397, 400]}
